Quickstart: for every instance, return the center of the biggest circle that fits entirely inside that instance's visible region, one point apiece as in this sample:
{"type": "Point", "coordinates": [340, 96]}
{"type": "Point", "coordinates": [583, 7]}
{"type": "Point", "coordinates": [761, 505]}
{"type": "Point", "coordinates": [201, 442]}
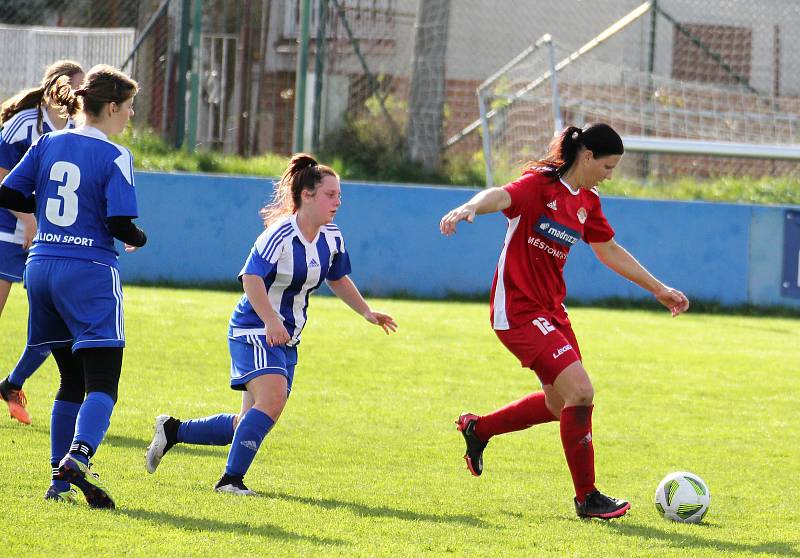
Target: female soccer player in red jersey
{"type": "Point", "coordinates": [549, 208]}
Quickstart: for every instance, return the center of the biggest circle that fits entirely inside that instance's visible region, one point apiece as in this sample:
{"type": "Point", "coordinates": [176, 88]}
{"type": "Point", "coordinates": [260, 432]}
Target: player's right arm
{"type": "Point", "coordinates": [17, 189]}
{"type": "Point", "coordinates": [27, 219]}
{"type": "Point", "coordinates": [256, 293]}
{"type": "Point", "coordinates": [490, 200]}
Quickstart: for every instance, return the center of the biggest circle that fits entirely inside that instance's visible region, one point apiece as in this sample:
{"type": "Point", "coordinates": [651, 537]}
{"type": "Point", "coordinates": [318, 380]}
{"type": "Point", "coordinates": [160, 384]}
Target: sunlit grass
{"type": "Point", "coordinates": [366, 460]}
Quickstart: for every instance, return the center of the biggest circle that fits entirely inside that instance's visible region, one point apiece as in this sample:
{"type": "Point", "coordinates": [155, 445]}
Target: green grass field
{"type": "Point", "coordinates": [366, 460]}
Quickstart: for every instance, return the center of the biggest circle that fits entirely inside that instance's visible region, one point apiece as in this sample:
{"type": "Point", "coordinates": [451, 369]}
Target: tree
{"type": "Point", "coordinates": [426, 100]}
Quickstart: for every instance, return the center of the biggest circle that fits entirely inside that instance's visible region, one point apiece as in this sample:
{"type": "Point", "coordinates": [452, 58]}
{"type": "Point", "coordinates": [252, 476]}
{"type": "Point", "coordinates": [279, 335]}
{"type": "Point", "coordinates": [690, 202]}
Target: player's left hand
{"type": "Point", "coordinates": [28, 232]}
{"type": "Point", "coordinates": [384, 320]}
{"type": "Point", "coordinates": [129, 248]}
{"type": "Point", "coordinates": [461, 213]}
{"type": "Point", "coordinates": [673, 299]}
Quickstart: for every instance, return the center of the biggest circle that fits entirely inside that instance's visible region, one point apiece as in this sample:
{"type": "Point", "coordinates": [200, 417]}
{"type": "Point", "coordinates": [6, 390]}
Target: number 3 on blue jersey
{"type": "Point", "coordinates": [80, 179]}
{"type": "Point", "coordinates": [63, 211]}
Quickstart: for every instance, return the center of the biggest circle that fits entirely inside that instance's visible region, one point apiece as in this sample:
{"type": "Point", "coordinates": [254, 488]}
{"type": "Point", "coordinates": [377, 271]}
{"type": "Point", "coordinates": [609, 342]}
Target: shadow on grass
{"type": "Point", "coordinates": [118, 441]}
{"type": "Point", "coordinates": [377, 511]}
{"type": "Point", "coordinates": [687, 540]}
{"type": "Point", "coordinates": [202, 524]}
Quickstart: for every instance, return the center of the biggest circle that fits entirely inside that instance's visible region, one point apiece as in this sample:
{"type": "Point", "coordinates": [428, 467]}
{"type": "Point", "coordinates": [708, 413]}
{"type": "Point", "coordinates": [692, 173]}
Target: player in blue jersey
{"type": "Point", "coordinates": [80, 185]}
{"type": "Point", "coordinates": [300, 248]}
{"type": "Point", "coordinates": [23, 118]}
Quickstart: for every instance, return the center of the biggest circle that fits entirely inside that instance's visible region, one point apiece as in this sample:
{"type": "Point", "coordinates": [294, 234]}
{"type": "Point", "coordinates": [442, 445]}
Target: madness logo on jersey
{"type": "Point", "coordinates": [556, 231]}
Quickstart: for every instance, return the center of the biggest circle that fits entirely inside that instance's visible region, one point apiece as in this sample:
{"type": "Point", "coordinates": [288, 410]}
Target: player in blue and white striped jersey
{"type": "Point", "coordinates": [300, 249]}
{"type": "Point", "coordinates": [292, 268]}
{"type": "Point", "coordinates": [80, 186]}
{"type": "Point", "coordinates": [23, 118]}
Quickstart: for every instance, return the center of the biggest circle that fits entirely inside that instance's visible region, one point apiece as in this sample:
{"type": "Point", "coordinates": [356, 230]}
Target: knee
{"type": "Point", "coordinates": [272, 406]}
{"type": "Point", "coordinates": [70, 392]}
{"type": "Point", "coordinates": [72, 387]}
{"type": "Point", "coordinates": [104, 385]}
{"type": "Point", "coordinates": [554, 405]}
{"type": "Point", "coordinates": [555, 409]}
{"type": "Point", "coordinates": [102, 368]}
{"type": "Point", "coordinates": [580, 395]}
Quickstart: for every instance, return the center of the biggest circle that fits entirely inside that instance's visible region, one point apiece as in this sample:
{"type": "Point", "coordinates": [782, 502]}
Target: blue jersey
{"type": "Point", "coordinates": [80, 179]}
{"type": "Point", "coordinates": [292, 268]}
{"type": "Point", "coordinates": [17, 135]}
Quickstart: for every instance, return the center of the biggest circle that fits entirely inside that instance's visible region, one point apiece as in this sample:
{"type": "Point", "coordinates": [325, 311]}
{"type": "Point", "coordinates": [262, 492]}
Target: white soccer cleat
{"type": "Point", "coordinates": [159, 446]}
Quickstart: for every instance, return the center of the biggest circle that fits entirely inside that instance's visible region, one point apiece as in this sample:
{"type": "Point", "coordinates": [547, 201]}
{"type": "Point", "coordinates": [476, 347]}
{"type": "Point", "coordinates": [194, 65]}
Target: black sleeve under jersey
{"type": "Point", "coordinates": [122, 228]}
{"type": "Point", "coordinates": [16, 201]}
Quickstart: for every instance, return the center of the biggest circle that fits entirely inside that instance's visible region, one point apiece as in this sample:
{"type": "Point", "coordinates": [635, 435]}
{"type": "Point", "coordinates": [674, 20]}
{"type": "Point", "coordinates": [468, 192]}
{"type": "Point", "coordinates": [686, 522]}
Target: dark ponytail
{"type": "Point", "coordinates": [600, 139]}
{"type": "Point", "coordinates": [104, 84]}
{"type": "Point", "coordinates": [303, 173]}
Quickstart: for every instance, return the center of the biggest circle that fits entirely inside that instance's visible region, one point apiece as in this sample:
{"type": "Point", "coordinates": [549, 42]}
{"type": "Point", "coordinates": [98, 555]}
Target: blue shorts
{"type": "Point", "coordinates": [12, 261]}
{"type": "Point", "coordinates": [251, 357]}
{"type": "Point", "coordinates": [74, 303]}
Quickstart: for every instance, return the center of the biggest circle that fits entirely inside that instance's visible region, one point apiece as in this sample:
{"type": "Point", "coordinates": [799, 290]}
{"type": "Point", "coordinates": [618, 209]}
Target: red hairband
{"type": "Point", "coordinates": [80, 92]}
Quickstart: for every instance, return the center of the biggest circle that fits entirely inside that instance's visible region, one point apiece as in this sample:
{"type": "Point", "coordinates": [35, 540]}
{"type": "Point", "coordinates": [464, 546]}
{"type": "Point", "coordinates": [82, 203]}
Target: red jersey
{"type": "Point", "coordinates": [545, 219]}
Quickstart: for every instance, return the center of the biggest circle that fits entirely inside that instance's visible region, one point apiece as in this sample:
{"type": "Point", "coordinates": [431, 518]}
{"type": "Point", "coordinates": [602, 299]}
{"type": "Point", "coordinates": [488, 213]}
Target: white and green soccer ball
{"type": "Point", "coordinates": [683, 497]}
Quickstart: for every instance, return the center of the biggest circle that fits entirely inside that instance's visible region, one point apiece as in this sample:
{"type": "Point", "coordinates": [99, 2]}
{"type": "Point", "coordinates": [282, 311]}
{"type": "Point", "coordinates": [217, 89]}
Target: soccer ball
{"type": "Point", "coordinates": [683, 497]}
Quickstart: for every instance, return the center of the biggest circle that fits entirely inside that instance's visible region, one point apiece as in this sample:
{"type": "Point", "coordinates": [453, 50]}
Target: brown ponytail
{"type": "Point", "coordinates": [62, 94]}
{"type": "Point", "coordinates": [103, 84]}
{"type": "Point", "coordinates": [600, 139]}
{"type": "Point", "coordinates": [55, 77]}
{"type": "Point", "coordinates": [303, 173]}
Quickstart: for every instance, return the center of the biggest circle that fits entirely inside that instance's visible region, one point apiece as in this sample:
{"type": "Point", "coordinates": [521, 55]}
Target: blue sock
{"type": "Point", "coordinates": [62, 430]}
{"type": "Point", "coordinates": [90, 429]}
{"type": "Point", "coordinates": [216, 430]}
{"type": "Point", "coordinates": [246, 440]}
{"type": "Point", "coordinates": [28, 363]}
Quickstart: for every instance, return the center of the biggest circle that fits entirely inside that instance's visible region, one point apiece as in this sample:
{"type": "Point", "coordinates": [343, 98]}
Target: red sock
{"type": "Point", "coordinates": [576, 437]}
{"type": "Point", "coordinates": [518, 415]}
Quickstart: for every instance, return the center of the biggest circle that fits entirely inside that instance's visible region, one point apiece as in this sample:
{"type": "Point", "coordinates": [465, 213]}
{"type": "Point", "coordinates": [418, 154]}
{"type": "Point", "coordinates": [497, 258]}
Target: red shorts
{"type": "Point", "coordinates": [546, 348]}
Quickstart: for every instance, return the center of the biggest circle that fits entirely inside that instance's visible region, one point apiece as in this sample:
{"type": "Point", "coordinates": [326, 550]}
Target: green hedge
{"type": "Point", "coordinates": [357, 153]}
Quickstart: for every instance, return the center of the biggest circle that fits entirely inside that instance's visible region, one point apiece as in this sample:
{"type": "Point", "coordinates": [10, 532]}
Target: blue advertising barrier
{"type": "Point", "coordinates": [201, 228]}
{"type": "Point", "coordinates": [790, 286]}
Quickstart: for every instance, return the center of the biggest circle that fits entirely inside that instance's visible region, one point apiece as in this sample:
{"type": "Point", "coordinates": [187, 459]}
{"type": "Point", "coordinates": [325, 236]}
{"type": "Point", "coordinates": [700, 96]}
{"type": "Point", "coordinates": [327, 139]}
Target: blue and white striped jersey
{"type": "Point", "coordinates": [292, 268]}
{"type": "Point", "coordinates": [80, 179]}
{"type": "Point", "coordinates": [16, 137]}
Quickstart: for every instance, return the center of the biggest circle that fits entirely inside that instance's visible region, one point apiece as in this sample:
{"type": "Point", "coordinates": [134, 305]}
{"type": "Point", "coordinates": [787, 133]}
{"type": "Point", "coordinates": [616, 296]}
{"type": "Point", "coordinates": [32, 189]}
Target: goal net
{"type": "Point", "coordinates": [692, 92]}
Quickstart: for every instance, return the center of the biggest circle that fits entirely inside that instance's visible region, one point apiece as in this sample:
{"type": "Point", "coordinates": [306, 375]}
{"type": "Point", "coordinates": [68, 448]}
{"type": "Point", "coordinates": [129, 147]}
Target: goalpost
{"type": "Point", "coordinates": [714, 121]}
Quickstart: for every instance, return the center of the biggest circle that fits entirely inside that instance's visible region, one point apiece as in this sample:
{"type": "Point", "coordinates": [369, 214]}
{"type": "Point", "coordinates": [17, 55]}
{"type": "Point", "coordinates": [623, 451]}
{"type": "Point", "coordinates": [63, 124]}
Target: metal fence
{"type": "Point", "coordinates": [29, 49]}
{"type": "Point", "coordinates": [223, 75]}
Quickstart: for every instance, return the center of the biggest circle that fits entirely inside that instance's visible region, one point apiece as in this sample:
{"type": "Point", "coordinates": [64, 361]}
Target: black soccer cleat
{"type": "Point", "coordinates": [69, 495]}
{"type": "Point", "coordinates": [232, 484]}
{"type": "Point", "coordinates": [78, 474]}
{"type": "Point", "coordinates": [474, 455]}
{"type": "Point", "coordinates": [597, 504]}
